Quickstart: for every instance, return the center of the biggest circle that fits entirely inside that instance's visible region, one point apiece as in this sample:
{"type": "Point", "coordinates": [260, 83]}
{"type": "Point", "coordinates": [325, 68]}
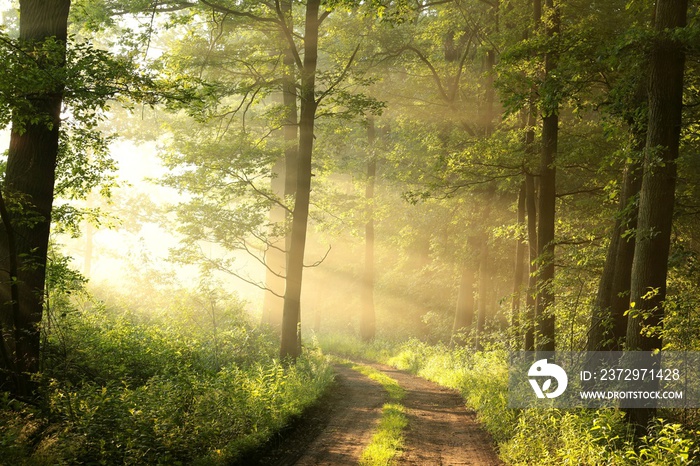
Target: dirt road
{"type": "Point", "coordinates": [441, 431]}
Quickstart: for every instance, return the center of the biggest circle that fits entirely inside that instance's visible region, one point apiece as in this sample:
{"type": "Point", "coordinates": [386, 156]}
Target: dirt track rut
{"type": "Point", "coordinates": [441, 431]}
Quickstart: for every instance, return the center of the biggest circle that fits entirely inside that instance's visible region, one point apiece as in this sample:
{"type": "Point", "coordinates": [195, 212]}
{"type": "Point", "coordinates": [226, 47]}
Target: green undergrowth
{"type": "Point", "coordinates": [387, 440]}
{"type": "Point", "coordinates": [121, 388]}
{"type": "Point", "coordinates": [531, 436]}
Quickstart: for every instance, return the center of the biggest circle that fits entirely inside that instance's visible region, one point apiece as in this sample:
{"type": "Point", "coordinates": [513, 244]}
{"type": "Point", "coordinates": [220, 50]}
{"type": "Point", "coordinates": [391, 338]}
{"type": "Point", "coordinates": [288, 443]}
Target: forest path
{"type": "Point", "coordinates": [440, 431]}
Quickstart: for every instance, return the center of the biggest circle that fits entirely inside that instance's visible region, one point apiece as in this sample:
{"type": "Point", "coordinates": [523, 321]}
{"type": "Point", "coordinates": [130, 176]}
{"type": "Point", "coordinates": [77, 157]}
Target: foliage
{"type": "Point", "coordinates": [122, 387]}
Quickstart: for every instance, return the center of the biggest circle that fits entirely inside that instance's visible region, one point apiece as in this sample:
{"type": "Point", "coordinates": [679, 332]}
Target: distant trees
{"type": "Point", "coordinates": [368, 319]}
{"type": "Point", "coordinates": [229, 192]}
{"type": "Point", "coordinates": [266, 74]}
{"type": "Point", "coordinates": [549, 118]}
{"type": "Point", "coordinates": [521, 120]}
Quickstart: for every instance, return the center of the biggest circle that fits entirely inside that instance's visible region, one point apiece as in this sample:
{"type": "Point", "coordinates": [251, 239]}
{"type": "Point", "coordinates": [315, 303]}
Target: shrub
{"type": "Point", "coordinates": [121, 389]}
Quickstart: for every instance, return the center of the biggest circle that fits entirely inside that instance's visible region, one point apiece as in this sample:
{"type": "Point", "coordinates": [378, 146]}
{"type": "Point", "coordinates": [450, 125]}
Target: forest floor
{"type": "Point", "coordinates": [441, 431]}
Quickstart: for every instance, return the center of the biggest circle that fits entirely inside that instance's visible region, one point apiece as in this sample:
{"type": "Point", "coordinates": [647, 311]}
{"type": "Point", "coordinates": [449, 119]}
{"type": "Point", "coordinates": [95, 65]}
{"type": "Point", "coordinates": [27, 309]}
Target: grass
{"type": "Point", "coordinates": [387, 441]}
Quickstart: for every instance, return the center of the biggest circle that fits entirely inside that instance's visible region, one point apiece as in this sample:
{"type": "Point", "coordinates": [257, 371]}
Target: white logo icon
{"type": "Point", "coordinates": [542, 368]}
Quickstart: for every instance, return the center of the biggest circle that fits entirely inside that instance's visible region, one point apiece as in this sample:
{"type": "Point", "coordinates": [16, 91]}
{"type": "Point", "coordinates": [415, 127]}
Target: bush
{"type": "Point", "coordinates": [122, 389]}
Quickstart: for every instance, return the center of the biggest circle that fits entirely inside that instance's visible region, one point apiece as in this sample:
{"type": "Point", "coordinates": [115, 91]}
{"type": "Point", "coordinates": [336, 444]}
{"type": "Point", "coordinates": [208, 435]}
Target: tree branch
{"type": "Point", "coordinates": [342, 76]}
{"type": "Point", "coordinates": [250, 281]}
{"type": "Point", "coordinates": [232, 12]}
{"type": "Point", "coordinates": [580, 191]}
{"type": "Point", "coordinates": [288, 33]}
{"type": "Point", "coordinates": [433, 71]}
{"type": "Point", "coordinates": [319, 262]}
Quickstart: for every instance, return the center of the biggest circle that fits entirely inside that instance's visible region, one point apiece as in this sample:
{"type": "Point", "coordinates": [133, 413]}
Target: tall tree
{"type": "Point", "coordinates": [547, 196]}
{"type": "Point", "coordinates": [310, 97]}
{"type": "Point", "coordinates": [625, 100]}
{"type": "Point", "coordinates": [531, 208]}
{"type": "Point", "coordinates": [657, 195]}
{"type": "Point", "coordinates": [29, 189]}
{"type": "Point", "coordinates": [284, 180]}
{"type": "Point", "coordinates": [368, 318]}
{"type": "Point", "coordinates": [519, 268]}
{"type": "Point", "coordinates": [291, 338]}
{"type": "Point", "coordinates": [609, 318]}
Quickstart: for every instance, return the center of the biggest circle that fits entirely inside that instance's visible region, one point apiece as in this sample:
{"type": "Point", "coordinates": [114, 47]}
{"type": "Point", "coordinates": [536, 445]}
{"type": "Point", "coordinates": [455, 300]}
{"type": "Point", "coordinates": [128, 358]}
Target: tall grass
{"type": "Point", "coordinates": [120, 389]}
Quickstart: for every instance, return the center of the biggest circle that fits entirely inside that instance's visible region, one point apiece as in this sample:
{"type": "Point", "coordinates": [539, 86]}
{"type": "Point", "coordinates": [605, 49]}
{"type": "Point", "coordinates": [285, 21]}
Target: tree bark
{"type": "Point", "coordinates": [622, 281]}
{"type": "Point", "coordinates": [9, 378]}
{"type": "Point", "coordinates": [368, 318]}
{"type": "Point", "coordinates": [464, 311]}
{"type": "Point", "coordinates": [290, 346]}
{"type": "Point", "coordinates": [484, 292]}
{"type": "Point", "coordinates": [657, 194]}
{"type": "Point", "coordinates": [547, 200]}
{"type": "Point", "coordinates": [29, 183]}
{"type": "Point", "coordinates": [284, 185]}
{"type": "Point", "coordinates": [601, 321]}
{"type": "Point", "coordinates": [518, 270]}
{"type": "Point", "coordinates": [608, 320]}
{"type": "Point", "coordinates": [531, 208]}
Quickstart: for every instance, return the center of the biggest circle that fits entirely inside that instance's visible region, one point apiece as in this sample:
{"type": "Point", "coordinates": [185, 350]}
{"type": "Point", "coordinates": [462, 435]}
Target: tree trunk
{"type": "Point", "coordinates": [284, 185]}
{"type": "Point", "coordinates": [368, 318]}
{"type": "Point", "coordinates": [291, 125]}
{"type": "Point", "coordinates": [9, 377]}
{"type": "Point", "coordinates": [291, 332]}
{"type": "Point", "coordinates": [464, 312]}
{"type": "Point", "coordinates": [275, 257]}
{"type": "Point", "coordinates": [657, 194]}
{"type": "Point", "coordinates": [608, 321]}
{"type": "Point", "coordinates": [621, 284]}
{"type": "Point", "coordinates": [291, 141]}
{"type": "Point", "coordinates": [518, 270]}
{"type": "Point", "coordinates": [531, 202]}
{"type": "Point", "coordinates": [484, 276]}
{"type": "Point", "coordinates": [547, 200]}
{"type": "Point", "coordinates": [29, 183]}
{"type": "Point", "coordinates": [531, 208]}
